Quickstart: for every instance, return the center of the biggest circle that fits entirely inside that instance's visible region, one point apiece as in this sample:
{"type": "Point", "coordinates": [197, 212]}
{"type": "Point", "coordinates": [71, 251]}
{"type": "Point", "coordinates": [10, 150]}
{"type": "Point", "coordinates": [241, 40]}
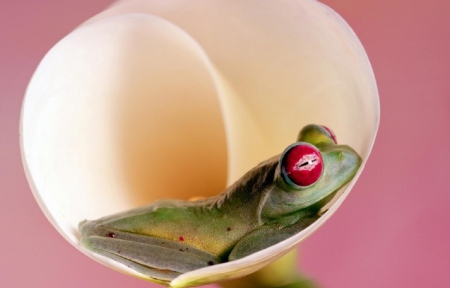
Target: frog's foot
{"type": "Point", "coordinates": [154, 257]}
{"type": "Point", "coordinates": [267, 236]}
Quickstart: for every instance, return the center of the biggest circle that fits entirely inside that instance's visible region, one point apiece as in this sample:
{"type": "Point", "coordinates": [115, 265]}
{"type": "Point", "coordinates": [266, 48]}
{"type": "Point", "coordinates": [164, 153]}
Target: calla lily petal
{"type": "Point", "coordinates": [297, 59]}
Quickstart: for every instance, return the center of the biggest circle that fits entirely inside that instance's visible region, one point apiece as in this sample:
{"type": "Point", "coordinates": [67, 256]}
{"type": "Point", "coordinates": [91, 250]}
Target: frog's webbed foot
{"type": "Point", "coordinates": [154, 257]}
{"type": "Point", "coordinates": [267, 236]}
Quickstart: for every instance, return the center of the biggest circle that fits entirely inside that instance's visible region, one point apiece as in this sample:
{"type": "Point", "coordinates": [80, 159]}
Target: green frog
{"type": "Point", "coordinates": [272, 202]}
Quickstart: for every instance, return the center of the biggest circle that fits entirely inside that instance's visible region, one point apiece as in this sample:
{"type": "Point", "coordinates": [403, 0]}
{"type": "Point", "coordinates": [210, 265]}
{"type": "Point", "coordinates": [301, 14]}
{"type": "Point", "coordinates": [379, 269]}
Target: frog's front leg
{"type": "Point", "coordinates": [155, 257]}
{"type": "Point", "coordinates": [268, 235]}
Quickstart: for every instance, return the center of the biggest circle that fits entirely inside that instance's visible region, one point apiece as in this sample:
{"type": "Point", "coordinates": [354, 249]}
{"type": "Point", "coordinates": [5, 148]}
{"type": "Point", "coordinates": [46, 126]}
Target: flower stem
{"type": "Point", "coordinates": [280, 274]}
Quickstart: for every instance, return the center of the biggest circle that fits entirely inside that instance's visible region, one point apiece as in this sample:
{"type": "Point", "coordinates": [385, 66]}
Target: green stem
{"type": "Point", "coordinates": [280, 274]}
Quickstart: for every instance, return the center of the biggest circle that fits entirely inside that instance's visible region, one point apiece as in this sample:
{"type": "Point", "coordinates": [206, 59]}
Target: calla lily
{"type": "Point", "coordinates": [209, 87]}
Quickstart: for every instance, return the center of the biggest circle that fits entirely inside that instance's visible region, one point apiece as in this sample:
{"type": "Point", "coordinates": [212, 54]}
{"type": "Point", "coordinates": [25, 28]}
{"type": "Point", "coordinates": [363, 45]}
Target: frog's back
{"type": "Point", "coordinates": [228, 216]}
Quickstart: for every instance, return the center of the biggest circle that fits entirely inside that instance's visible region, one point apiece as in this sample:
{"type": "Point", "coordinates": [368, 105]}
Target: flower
{"type": "Point", "coordinates": [173, 98]}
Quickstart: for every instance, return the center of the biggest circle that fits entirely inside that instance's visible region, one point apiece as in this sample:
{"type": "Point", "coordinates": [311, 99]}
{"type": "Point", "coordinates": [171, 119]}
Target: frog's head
{"type": "Point", "coordinates": [310, 172]}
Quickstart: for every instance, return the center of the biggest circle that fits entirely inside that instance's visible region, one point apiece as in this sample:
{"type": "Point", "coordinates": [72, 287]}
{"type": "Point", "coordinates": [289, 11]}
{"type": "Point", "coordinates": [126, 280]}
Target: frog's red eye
{"type": "Point", "coordinates": [301, 164]}
{"type": "Point", "coordinates": [332, 135]}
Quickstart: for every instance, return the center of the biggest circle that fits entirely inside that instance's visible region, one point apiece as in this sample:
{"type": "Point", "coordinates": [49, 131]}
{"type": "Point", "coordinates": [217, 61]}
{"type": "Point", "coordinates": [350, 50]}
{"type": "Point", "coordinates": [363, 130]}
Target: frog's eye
{"type": "Point", "coordinates": [301, 164]}
{"type": "Point", "coordinates": [332, 135]}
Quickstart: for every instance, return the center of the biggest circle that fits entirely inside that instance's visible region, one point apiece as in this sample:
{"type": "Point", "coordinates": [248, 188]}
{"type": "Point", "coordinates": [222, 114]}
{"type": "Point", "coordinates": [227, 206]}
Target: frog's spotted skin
{"type": "Point", "coordinates": [270, 203]}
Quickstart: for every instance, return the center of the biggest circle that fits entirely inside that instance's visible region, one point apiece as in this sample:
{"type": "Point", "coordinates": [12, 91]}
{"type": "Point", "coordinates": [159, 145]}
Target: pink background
{"type": "Point", "coordinates": [392, 231]}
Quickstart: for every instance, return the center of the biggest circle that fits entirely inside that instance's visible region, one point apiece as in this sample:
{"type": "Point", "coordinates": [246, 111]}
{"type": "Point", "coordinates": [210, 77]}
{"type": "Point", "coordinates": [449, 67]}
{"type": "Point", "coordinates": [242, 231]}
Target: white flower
{"type": "Point", "coordinates": [172, 98]}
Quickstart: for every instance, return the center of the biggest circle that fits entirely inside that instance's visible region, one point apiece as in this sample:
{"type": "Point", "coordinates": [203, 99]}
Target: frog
{"type": "Point", "coordinates": [272, 202]}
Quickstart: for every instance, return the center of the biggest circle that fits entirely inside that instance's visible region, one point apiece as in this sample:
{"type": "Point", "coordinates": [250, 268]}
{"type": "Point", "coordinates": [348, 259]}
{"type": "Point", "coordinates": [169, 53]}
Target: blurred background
{"type": "Point", "coordinates": [392, 231]}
